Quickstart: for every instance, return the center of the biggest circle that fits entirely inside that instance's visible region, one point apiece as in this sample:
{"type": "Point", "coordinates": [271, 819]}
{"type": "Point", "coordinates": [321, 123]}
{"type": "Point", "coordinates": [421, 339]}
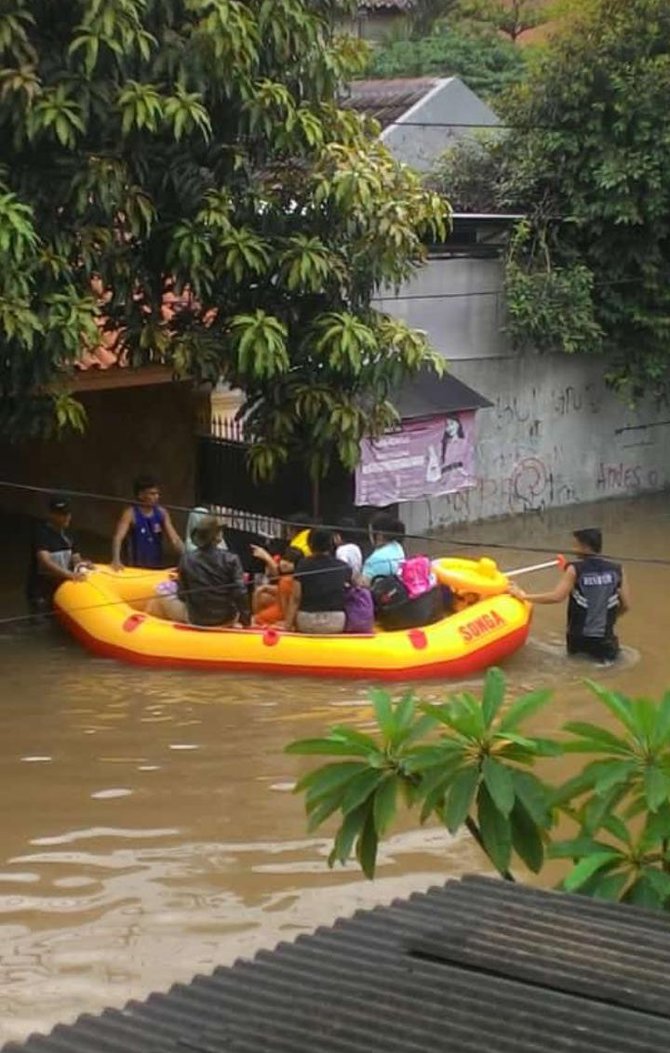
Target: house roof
{"type": "Point", "coordinates": [386, 5]}
{"type": "Point", "coordinates": [431, 396]}
{"type": "Point", "coordinates": [480, 965]}
{"type": "Point", "coordinates": [387, 100]}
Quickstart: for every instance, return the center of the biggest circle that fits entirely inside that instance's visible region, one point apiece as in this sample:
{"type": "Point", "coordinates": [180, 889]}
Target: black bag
{"type": "Point", "coordinates": [413, 613]}
{"type": "Point", "coordinates": [388, 592]}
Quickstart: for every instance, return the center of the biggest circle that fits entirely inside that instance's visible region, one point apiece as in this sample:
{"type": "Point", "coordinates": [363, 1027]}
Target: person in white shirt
{"type": "Point", "coordinates": [346, 548]}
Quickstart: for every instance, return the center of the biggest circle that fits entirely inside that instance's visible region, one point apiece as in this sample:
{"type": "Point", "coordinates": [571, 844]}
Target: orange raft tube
{"type": "Point", "coordinates": [104, 612]}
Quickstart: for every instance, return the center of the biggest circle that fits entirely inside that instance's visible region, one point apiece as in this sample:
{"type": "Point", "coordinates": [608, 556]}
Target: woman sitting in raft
{"type": "Point", "coordinates": [320, 582]}
{"type": "Point", "coordinates": [386, 534]}
{"type": "Point", "coordinates": [211, 590]}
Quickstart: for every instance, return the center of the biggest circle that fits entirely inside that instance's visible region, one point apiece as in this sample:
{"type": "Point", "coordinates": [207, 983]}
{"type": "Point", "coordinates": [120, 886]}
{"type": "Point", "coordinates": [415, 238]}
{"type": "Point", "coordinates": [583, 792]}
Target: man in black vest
{"type": "Point", "coordinates": [597, 595]}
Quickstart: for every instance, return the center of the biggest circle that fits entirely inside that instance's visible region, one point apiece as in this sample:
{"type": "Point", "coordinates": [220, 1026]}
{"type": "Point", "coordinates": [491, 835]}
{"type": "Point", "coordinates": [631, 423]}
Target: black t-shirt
{"type": "Point", "coordinates": [323, 580]}
{"type": "Point", "coordinates": [60, 547]}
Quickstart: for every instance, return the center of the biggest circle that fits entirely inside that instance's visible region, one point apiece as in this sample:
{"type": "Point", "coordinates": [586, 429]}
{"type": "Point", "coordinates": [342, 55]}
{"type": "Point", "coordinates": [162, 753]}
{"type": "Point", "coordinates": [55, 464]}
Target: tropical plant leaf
{"type": "Point", "coordinates": [384, 808]}
{"type": "Point", "coordinates": [522, 709]}
{"type": "Point", "coordinates": [526, 838]}
{"type": "Point", "coordinates": [656, 787]}
{"type": "Point", "coordinates": [659, 880]}
{"type": "Point", "coordinates": [589, 866]}
{"type": "Point", "coordinates": [609, 886]}
{"type": "Point", "coordinates": [328, 778]}
{"type": "Point", "coordinates": [617, 773]}
{"type": "Point", "coordinates": [381, 700]}
{"type": "Point", "coordinates": [600, 806]}
{"type": "Point", "coordinates": [367, 846]}
{"type": "Point", "coordinates": [577, 848]}
{"type": "Point", "coordinates": [332, 747]}
{"type": "Point", "coordinates": [347, 834]}
{"type": "Point", "coordinates": [495, 831]}
{"type": "Point", "coordinates": [618, 705]}
{"type": "Point", "coordinates": [533, 795]}
{"type": "Point", "coordinates": [643, 893]}
{"type": "Point", "coordinates": [500, 784]}
{"type": "Point", "coordinates": [594, 739]}
{"type": "Point", "coordinates": [493, 696]}
{"type": "Point", "coordinates": [459, 801]}
{"type": "Point", "coordinates": [360, 789]}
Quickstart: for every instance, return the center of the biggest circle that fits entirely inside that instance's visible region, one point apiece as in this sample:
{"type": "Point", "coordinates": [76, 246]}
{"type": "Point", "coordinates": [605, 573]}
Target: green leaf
{"type": "Point", "coordinates": [335, 747]}
{"type": "Point", "coordinates": [576, 848]}
{"type": "Point", "coordinates": [328, 778]}
{"type": "Point", "coordinates": [656, 787]}
{"type": "Point", "coordinates": [320, 811]}
{"type": "Point", "coordinates": [589, 866]}
{"type": "Point", "coordinates": [618, 705]}
{"type": "Point", "coordinates": [346, 835]}
{"type": "Point", "coordinates": [661, 738]}
{"type": "Point", "coordinates": [595, 739]}
{"type": "Point", "coordinates": [460, 798]}
{"type": "Point", "coordinates": [618, 772]}
{"type": "Point", "coordinates": [659, 880]}
{"type": "Point", "coordinates": [499, 783]}
{"type": "Point", "coordinates": [383, 707]}
{"type": "Point", "coordinates": [522, 709]}
{"type": "Point", "coordinates": [643, 893]}
{"type": "Point", "coordinates": [600, 806]}
{"type": "Point", "coordinates": [616, 826]}
{"type": "Point", "coordinates": [494, 695]}
{"type": "Point", "coordinates": [609, 886]}
{"type": "Point", "coordinates": [526, 839]}
{"type": "Point", "coordinates": [385, 804]}
{"type": "Point", "coordinates": [495, 831]}
{"type": "Point", "coordinates": [366, 847]}
{"type": "Point", "coordinates": [534, 797]}
{"type": "Point", "coordinates": [360, 789]}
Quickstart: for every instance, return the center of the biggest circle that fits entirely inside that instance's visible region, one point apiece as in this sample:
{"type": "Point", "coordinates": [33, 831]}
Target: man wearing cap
{"type": "Point", "coordinates": [52, 557]}
{"type": "Point", "coordinates": [597, 595]}
{"type": "Point", "coordinates": [211, 591]}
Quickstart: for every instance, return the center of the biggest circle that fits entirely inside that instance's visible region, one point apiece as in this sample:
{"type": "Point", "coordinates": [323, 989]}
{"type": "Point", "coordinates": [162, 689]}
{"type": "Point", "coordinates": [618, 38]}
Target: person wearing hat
{"type": "Point", "coordinates": [212, 591]}
{"type": "Point", "coordinates": [597, 593]}
{"type": "Point", "coordinates": [52, 557]}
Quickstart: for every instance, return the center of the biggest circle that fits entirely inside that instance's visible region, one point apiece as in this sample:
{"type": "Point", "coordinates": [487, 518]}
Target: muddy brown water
{"type": "Point", "coordinates": [149, 831]}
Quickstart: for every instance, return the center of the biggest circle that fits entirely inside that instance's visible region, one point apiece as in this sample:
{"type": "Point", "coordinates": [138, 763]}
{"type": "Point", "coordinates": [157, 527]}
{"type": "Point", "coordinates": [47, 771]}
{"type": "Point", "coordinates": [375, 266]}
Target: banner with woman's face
{"type": "Point", "coordinates": [421, 459]}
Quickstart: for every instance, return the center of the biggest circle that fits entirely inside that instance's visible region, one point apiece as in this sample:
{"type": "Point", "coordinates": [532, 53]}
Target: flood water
{"type": "Point", "coordinates": [149, 831]}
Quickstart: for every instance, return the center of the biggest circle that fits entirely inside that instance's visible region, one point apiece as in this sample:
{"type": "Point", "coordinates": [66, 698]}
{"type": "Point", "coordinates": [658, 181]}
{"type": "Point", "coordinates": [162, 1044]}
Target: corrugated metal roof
{"type": "Point", "coordinates": [387, 100]}
{"type": "Point", "coordinates": [386, 5]}
{"type": "Point", "coordinates": [478, 966]}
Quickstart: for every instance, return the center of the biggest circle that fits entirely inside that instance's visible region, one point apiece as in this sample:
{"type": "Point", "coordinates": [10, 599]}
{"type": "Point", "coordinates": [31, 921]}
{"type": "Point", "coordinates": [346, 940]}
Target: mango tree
{"type": "Point", "coordinates": [196, 148]}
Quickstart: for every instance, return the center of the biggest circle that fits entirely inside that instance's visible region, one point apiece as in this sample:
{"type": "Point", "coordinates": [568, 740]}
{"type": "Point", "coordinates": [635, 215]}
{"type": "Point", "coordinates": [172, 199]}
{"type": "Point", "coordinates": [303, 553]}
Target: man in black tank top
{"type": "Point", "coordinates": [597, 595]}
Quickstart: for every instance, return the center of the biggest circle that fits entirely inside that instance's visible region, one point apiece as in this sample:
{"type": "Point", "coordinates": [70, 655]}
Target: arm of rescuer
{"type": "Point", "coordinates": [122, 527]}
{"type": "Point", "coordinates": [624, 595]}
{"type": "Point", "coordinates": [563, 589]}
{"type": "Point", "coordinates": [50, 567]}
{"type": "Point", "coordinates": [172, 535]}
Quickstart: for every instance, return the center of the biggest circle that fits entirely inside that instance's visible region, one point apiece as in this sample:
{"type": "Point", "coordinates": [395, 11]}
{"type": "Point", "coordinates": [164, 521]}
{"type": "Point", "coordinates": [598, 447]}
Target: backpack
{"type": "Point", "coordinates": [388, 592]}
{"type": "Point", "coordinates": [416, 575]}
{"type": "Point", "coordinates": [360, 610]}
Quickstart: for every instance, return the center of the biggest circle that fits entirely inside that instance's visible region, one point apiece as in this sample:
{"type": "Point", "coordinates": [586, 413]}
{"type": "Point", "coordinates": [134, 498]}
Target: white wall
{"type": "Point", "coordinates": [556, 434]}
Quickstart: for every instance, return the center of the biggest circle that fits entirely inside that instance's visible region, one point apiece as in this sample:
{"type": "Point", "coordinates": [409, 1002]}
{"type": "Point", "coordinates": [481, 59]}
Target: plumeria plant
{"type": "Point", "coordinates": [470, 762]}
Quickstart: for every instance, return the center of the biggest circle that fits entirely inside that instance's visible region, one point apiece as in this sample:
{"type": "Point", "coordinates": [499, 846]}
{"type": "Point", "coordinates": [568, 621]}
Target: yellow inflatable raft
{"type": "Point", "coordinates": [105, 613]}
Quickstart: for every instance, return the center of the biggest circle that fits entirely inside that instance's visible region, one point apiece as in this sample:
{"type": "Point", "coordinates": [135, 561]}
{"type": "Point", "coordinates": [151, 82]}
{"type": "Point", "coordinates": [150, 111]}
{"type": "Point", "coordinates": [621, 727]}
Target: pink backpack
{"type": "Point", "coordinates": [415, 574]}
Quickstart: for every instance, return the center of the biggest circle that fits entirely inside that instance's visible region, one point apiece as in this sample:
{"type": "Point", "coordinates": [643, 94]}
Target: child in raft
{"type": "Point", "coordinates": [270, 601]}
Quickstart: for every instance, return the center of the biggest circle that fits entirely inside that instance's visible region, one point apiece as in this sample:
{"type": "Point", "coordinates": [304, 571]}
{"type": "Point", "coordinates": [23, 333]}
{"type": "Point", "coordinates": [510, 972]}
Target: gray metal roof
{"type": "Point", "coordinates": [478, 966]}
{"type": "Point", "coordinates": [388, 99]}
{"type": "Point", "coordinates": [431, 396]}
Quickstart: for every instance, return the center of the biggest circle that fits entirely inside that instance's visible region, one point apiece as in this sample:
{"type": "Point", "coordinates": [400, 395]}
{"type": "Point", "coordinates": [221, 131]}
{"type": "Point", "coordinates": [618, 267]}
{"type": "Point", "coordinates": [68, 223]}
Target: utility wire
{"type": "Point", "coordinates": [469, 543]}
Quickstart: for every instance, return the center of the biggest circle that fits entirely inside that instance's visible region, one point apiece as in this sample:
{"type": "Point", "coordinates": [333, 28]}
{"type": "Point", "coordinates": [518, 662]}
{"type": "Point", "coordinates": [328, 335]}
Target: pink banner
{"type": "Point", "coordinates": [421, 459]}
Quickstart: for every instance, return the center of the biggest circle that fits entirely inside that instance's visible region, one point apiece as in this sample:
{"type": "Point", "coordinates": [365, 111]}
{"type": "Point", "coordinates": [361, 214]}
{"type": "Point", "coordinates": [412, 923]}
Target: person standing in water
{"type": "Point", "coordinates": [143, 526]}
{"type": "Point", "coordinates": [53, 559]}
{"type": "Point", "coordinates": [597, 594]}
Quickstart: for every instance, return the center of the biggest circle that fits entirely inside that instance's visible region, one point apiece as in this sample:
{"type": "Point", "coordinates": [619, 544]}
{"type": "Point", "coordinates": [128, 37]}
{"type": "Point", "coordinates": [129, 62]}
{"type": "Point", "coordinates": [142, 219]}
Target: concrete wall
{"type": "Point", "coordinates": [556, 434]}
{"type": "Point", "coordinates": [130, 431]}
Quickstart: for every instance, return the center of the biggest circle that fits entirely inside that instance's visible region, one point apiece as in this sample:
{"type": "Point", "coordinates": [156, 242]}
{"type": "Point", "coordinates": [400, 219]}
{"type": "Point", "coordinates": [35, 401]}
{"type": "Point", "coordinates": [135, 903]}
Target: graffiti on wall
{"type": "Point", "coordinates": [626, 478]}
